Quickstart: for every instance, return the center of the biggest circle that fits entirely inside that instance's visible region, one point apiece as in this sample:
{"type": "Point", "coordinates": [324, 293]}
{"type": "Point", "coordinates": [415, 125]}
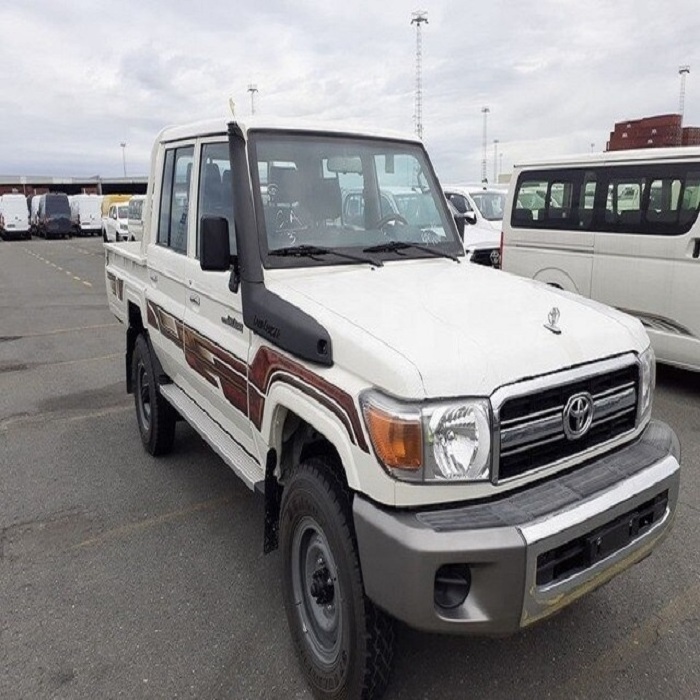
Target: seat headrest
{"type": "Point", "coordinates": [324, 199]}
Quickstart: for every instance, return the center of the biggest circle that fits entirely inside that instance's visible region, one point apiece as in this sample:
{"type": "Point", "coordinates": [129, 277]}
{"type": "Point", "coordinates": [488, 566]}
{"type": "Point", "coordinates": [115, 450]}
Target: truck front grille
{"type": "Point", "coordinates": [532, 433]}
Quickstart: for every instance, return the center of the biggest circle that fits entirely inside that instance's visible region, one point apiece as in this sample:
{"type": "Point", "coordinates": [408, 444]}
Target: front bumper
{"type": "Point", "coordinates": [614, 511]}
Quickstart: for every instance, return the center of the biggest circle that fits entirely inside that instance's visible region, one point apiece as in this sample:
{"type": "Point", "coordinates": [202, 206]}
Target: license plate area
{"type": "Point", "coordinates": [577, 555]}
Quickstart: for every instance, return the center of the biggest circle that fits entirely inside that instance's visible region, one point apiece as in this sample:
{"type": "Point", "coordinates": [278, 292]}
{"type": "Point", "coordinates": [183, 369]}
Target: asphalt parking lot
{"type": "Point", "coordinates": [126, 576]}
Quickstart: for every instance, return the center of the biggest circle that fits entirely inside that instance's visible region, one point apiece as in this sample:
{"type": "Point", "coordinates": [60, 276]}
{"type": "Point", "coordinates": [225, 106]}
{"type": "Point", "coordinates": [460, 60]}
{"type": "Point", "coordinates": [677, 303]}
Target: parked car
{"type": "Point", "coordinates": [115, 226]}
{"type": "Point", "coordinates": [86, 214]}
{"type": "Point", "coordinates": [398, 204]}
{"type": "Point", "coordinates": [53, 216]}
{"type": "Point", "coordinates": [135, 217]}
{"type": "Point", "coordinates": [481, 207]}
{"type": "Point", "coordinates": [14, 217]}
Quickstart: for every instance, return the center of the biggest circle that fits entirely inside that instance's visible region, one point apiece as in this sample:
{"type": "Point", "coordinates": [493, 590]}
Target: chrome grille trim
{"type": "Point", "coordinates": [542, 429]}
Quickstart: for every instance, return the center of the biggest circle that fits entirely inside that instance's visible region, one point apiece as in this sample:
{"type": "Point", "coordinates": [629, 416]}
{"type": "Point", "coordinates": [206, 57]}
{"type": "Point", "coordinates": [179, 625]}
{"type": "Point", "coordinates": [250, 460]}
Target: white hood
{"type": "Point", "coordinates": [452, 329]}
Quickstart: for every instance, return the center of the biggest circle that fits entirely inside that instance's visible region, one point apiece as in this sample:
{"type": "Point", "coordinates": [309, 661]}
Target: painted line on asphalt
{"type": "Point", "coordinates": [58, 267]}
{"type": "Point", "coordinates": [148, 523]}
{"type": "Point", "coordinates": [640, 640]}
{"type": "Point", "coordinates": [57, 417]}
{"type": "Point", "coordinates": [74, 329]}
{"type": "Point", "coordinates": [85, 359]}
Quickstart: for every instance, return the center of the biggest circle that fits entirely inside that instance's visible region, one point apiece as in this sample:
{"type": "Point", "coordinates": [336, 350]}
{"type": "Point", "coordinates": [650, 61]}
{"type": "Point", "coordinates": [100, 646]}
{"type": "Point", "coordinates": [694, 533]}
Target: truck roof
{"type": "Point", "coordinates": [212, 127]}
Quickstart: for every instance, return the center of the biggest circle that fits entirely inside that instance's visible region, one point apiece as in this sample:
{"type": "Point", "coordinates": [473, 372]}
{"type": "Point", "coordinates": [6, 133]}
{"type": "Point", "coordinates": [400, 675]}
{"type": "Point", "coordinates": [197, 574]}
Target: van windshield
{"type": "Point", "coordinates": [57, 205]}
{"type": "Point", "coordinates": [348, 194]}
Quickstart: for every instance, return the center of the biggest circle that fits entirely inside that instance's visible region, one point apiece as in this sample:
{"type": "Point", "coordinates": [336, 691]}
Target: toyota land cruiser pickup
{"type": "Point", "coordinates": [435, 441]}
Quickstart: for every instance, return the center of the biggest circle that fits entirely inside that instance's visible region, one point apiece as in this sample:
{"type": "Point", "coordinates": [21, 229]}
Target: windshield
{"type": "Point", "coordinates": [347, 194]}
{"type": "Point", "coordinates": [57, 205]}
{"type": "Point", "coordinates": [490, 204]}
{"type": "Point", "coordinates": [123, 212]}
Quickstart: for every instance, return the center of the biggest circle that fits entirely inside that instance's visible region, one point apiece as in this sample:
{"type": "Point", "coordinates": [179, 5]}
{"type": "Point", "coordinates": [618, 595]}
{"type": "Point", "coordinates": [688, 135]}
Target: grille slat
{"type": "Point", "coordinates": [532, 429]}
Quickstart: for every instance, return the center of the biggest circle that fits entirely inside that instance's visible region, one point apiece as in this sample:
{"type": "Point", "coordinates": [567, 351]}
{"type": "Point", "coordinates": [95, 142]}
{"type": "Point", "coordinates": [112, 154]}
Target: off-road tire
{"type": "Point", "coordinates": [353, 660]}
{"type": "Point", "coordinates": [155, 416]}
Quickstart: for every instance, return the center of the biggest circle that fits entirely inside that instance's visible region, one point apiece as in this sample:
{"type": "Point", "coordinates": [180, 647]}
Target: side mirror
{"type": "Point", "coordinates": [215, 250]}
{"type": "Point", "coordinates": [470, 217]}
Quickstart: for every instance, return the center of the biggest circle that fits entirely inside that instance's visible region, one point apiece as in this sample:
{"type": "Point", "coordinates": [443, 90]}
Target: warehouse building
{"type": "Point", "coordinates": [30, 185]}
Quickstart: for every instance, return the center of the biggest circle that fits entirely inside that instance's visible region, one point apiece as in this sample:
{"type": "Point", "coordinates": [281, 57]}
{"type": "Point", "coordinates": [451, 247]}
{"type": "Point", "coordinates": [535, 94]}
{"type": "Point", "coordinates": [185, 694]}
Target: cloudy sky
{"type": "Point", "coordinates": [79, 78]}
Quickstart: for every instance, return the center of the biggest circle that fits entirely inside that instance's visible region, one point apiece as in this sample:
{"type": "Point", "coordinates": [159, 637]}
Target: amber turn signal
{"type": "Point", "coordinates": [397, 441]}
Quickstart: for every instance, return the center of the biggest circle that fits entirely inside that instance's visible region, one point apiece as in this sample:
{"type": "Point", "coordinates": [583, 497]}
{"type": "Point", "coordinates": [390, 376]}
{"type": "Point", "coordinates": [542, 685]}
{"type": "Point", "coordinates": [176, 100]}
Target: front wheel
{"type": "Point", "coordinates": [344, 643]}
{"type": "Point", "coordinates": [155, 416]}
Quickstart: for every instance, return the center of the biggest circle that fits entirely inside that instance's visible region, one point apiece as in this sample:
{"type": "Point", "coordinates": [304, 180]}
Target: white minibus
{"type": "Point", "coordinates": [619, 227]}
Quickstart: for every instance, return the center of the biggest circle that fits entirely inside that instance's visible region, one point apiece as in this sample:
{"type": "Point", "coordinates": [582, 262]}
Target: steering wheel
{"type": "Point", "coordinates": [388, 219]}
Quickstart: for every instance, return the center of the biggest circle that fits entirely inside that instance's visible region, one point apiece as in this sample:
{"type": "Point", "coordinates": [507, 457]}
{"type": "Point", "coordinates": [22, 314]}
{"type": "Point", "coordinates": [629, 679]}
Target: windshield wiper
{"type": "Point", "coordinates": [310, 251]}
{"type": "Point", "coordinates": [393, 246]}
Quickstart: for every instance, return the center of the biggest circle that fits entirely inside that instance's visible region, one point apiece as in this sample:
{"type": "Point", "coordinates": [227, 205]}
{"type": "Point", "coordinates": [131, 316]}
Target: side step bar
{"type": "Point", "coordinates": [218, 439]}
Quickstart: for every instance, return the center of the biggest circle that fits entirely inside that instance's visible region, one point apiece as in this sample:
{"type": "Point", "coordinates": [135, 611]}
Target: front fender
{"type": "Point", "coordinates": [284, 398]}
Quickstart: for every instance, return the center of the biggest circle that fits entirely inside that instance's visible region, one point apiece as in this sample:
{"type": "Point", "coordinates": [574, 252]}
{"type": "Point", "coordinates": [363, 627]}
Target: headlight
{"type": "Point", "coordinates": [445, 441]}
{"type": "Point", "coordinates": [647, 376]}
{"type": "Point", "coordinates": [460, 438]}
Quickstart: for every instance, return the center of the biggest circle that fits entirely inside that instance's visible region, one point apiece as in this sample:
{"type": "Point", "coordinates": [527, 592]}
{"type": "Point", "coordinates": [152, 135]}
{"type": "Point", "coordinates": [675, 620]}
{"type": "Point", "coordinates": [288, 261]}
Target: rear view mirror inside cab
{"type": "Point", "coordinates": [345, 164]}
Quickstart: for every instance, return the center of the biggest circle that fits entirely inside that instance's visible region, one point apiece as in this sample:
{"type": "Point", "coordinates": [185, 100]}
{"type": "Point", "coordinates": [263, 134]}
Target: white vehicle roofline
{"type": "Point", "coordinates": [477, 188]}
{"type": "Point", "coordinates": [219, 127]}
{"type": "Point", "coordinates": [640, 154]}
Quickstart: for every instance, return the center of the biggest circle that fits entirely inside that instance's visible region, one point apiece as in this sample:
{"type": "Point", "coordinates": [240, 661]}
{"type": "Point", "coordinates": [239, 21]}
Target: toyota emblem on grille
{"type": "Point", "coordinates": [578, 415]}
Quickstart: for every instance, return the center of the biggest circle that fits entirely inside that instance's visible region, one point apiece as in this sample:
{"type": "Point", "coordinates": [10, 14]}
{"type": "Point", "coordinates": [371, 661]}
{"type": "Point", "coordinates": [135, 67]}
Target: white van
{"type": "Point", "coordinates": [481, 207]}
{"type": "Point", "coordinates": [86, 214]}
{"type": "Point", "coordinates": [34, 212]}
{"type": "Point", "coordinates": [135, 217]}
{"type": "Point", "coordinates": [14, 216]}
{"type": "Point", "coordinates": [620, 227]}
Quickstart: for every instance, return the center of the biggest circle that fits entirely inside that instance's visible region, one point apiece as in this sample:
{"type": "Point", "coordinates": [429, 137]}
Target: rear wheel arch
{"type": "Point", "coordinates": [555, 277]}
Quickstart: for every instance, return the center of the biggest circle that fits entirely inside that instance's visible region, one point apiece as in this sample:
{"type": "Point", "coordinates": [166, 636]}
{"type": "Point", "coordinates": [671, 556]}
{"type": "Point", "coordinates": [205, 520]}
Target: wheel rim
{"type": "Point", "coordinates": [317, 592]}
{"type": "Point", "coordinates": [143, 388]}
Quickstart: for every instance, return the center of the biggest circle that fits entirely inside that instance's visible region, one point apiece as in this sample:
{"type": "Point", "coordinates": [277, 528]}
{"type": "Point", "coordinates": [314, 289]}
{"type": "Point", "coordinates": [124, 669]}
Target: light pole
{"type": "Point", "coordinates": [252, 89]}
{"type": "Point", "coordinates": [485, 111]}
{"type": "Point", "coordinates": [123, 145]}
{"type": "Point", "coordinates": [495, 160]}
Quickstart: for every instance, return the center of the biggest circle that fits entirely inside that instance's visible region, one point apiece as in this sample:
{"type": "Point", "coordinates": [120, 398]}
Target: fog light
{"type": "Point", "coordinates": [452, 584]}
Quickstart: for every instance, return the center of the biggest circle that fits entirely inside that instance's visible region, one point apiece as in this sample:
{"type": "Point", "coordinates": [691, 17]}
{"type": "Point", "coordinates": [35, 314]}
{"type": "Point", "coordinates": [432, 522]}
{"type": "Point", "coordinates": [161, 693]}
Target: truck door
{"type": "Point", "coordinates": [167, 250]}
{"type": "Point", "coordinates": [216, 339]}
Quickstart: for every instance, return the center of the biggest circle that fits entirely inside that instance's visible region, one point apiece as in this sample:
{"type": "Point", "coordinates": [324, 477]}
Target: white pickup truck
{"type": "Point", "coordinates": [435, 441]}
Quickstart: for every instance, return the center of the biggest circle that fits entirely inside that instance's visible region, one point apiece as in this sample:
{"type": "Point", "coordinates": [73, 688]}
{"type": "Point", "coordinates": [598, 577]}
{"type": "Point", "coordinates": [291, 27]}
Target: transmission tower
{"type": "Point", "coordinates": [485, 111]}
{"type": "Point", "coordinates": [252, 89]}
{"type": "Point", "coordinates": [418, 18]}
